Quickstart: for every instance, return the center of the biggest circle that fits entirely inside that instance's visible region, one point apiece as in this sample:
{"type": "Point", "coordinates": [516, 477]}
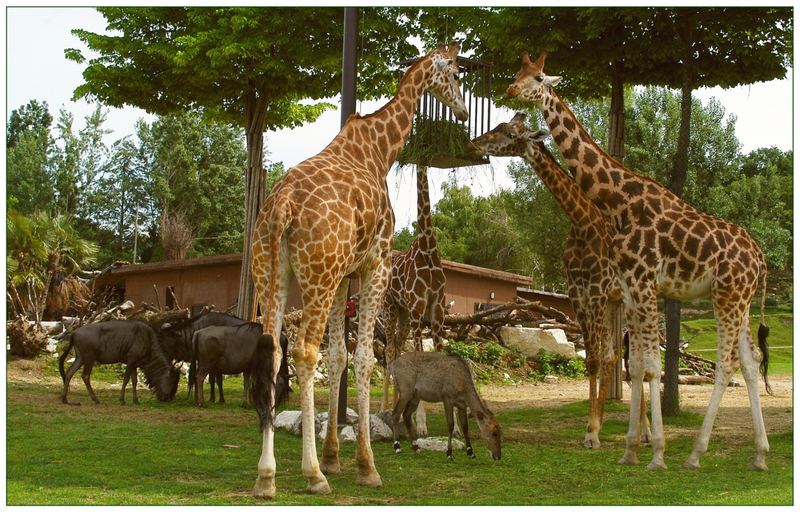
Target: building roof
{"type": "Point", "coordinates": [236, 259]}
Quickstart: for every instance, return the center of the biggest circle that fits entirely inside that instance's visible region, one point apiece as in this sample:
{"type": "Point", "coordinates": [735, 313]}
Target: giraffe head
{"type": "Point", "coordinates": [531, 84]}
{"type": "Point", "coordinates": [444, 84]}
{"type": "Point", "coordinates": [510, 139]}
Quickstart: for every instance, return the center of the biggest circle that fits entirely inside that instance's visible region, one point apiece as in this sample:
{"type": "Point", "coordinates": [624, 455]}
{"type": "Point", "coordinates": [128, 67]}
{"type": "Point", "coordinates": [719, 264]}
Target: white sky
{"type": "Point", "coordinates": [36, 69]}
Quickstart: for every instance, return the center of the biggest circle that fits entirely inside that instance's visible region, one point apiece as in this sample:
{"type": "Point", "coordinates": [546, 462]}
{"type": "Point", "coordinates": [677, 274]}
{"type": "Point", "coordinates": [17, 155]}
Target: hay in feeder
{"type": "Point", "coordinates": [439, 143]}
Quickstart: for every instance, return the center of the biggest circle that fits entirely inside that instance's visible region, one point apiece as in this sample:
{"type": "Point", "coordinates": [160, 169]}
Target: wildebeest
{"type": "Point", "coordinates": [120, 341]}
{"type": "Point", "coordinates": [440, 377]}
{"type": "Point", "coordinates": [236, 349]}
{"type": "Point", "coordinates": [177, 340]}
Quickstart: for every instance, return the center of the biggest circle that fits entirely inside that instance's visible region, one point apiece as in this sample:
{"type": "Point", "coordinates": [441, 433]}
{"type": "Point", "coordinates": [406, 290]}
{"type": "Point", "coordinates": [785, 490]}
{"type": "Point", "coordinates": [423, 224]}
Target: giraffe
{"type": "Point", "coordinates": [592, 283]}
{"type": "Point", "coordinates": [662, 245]}
{"type": "Point", "coordinates": [329, 218]}
{"type": "Point", "coordinates": [415, 293]}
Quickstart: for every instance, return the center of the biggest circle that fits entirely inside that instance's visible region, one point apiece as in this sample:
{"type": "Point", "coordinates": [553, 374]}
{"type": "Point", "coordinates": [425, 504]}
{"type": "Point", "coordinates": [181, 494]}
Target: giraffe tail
{"type": "Point", "coordinates": [763, 329]}
{"type": "Point", "coordinates": [263, 384]}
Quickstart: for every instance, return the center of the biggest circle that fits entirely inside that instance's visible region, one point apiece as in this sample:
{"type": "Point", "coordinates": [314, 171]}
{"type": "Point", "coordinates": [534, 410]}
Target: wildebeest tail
{"type": "Point", "coordinates": [263, 391]}
{"type": "Point", "coordinates": [63, 358]}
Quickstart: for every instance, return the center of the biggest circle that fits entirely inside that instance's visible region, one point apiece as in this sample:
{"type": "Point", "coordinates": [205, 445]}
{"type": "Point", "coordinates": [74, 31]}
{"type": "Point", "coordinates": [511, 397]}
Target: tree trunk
{"type": "Point", "coordinates": [616, 148]}
{"type": "Point", "coordinates": [670, 405]}
{"type": "Point", "coordinates": [255, 114]}
{"type": "Point", "coordinates": [616, 114]}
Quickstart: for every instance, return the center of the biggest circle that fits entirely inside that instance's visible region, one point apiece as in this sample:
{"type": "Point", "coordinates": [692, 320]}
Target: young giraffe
{"type": "Point", "coordinates": [592, 282]}
{"type": "Point", "coordinates": [416, 292]}
{"type": "Point", "coordinates": [328, 219]}
{"type": "Point", "coordinates": [664, 246]}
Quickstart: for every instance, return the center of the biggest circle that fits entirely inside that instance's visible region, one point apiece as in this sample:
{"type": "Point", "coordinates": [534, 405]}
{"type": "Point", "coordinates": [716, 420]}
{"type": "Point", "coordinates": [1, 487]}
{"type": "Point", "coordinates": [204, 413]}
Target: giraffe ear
{"type": "Point", "coordinates": [552, 81]}
{"type": "Point", "coordinates": [526, 58]}
{"type": "Point", "coordinates": [539, 135]}
{"type": "Point", "coordinates": [519, 118]}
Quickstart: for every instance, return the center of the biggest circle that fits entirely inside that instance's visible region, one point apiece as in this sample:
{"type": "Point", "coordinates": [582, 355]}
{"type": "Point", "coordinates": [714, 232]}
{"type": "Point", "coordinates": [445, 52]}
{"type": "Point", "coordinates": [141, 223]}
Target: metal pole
{"type": "Point", "coordinates": [348, 107]}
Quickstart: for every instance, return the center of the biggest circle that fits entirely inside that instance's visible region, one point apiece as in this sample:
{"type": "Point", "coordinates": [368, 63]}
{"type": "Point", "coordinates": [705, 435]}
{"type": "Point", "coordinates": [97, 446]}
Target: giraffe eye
{"type": "Point", "coordinates": [539, 78]}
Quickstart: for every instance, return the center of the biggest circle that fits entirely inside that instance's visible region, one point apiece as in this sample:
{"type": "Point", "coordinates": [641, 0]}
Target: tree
{"type": "Point", "coordinates": [28, 151]}
{"type": "Point", "coordinates": [249, 66]}
{"type": "Point", "coordinates": [42, 251]}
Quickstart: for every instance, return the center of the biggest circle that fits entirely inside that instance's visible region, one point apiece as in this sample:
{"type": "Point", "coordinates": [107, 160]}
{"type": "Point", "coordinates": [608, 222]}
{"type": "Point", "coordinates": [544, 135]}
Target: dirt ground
{"type": "Point", "coordinates": [733, 416]}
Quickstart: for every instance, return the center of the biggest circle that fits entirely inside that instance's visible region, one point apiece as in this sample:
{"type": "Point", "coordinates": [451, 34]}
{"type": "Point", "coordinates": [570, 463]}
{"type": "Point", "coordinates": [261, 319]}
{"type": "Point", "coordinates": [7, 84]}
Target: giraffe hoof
{"type": "Point", "coordinates": [330, 467]}
{"type": "Point", "coordinates": [628, 460]}
{"type": "Point", "coordinates": [758, 466]}
{"type": "Point", "coordinates": [691, 464]}
{"type": "Point", "coordinates": [318, 486]}
{"type": "Point", "coordinates": [264, 488]}
{"type": "Point", "coordinates": [591, 442]}
{"type": "Point", "coordinates": [372, 479]}
{"type": "Point", "coordinates": [656, 466]}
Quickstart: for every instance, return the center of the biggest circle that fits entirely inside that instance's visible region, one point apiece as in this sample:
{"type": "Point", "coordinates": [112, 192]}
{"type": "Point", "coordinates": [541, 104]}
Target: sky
{"type": "Point", "coordinates": [36, 69]}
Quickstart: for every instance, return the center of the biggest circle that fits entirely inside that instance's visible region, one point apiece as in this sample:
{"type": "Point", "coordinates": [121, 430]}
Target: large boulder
{"type": "Point", "coordinates": [530, 340]}
{"type": "Point", "coordinates": [378, 429]}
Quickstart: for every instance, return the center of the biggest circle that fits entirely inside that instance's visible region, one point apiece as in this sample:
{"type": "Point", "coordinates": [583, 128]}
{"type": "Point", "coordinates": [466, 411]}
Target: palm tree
{"type": "Point", "coordinates": [42, 251]}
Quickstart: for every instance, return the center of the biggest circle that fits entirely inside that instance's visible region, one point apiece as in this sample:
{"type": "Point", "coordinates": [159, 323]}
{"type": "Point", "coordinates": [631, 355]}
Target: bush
{"type": "Point", "coordinates": [546, 363]}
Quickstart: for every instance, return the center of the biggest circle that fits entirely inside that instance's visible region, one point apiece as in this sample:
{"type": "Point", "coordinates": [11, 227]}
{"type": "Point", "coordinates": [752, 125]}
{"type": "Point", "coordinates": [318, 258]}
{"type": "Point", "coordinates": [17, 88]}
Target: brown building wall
{"type": "Point", "coordinates": [215, 280]}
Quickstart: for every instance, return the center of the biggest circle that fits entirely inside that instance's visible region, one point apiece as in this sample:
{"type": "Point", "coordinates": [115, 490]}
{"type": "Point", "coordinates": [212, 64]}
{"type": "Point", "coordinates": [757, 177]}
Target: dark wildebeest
{"type": "Point", "coordinates": [120, 341]}
{"type": "Point", "coordinates": [439, 377]}
{"type": "Point", "coordinates": [236, 349]}
{"type": "Point", "coordinates": [177, 340]}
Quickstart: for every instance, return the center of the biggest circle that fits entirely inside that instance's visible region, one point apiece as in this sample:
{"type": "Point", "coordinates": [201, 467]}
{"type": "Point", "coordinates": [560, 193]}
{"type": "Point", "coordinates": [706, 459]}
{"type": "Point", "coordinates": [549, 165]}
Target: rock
{"type": "Point", "coordinates": [347, 435]}
{"type": "Point", "coordinates": [530, 340]}
{"type": "Point", "coordinates": [427, 345]}
{"type": "Point", "coordinates": [550, 379]}
{"type": "Point", "coordinates": [438, 444]}
{"type": "Point", "coordinates": [582, 354]}
{"type": "Point", "coordinates": [351, 416]}
{"type": "Point", "coordinates": [323, 428]}
{"type": "Point", "coordinates": [285, 419]}
{"type": "Point", "coordinates": [297, 426]}
{"type": "Point", "coordinates": [378, 429]}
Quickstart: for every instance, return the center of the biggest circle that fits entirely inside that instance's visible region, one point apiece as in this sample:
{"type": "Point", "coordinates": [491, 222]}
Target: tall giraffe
{"type": "Point", "coordinates": [415, 293]}
{"type": "Point", "coordinates": [592, 282]}
{"type": "Point", "coordinates": [328, 219]}
{"type": "Point", "coordinates": [664, 246]}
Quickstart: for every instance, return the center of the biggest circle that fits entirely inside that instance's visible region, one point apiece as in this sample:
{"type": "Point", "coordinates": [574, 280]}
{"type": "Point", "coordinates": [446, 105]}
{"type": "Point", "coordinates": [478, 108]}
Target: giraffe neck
{"type": "Point", "coordinates": [424, 222]}
{"type": "Point", "coordinates": [379, 137]}
{"type": "Point", "coordinates": [598, 175]}
{"type": "Point", "coordinates": [564, 189]}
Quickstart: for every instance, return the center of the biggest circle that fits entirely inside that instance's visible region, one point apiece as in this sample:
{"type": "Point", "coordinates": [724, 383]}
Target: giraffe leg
{"type": "Point", "coordinates": [373, 285]}
{"type": "Point", "coordinates": [272, 308]}
{"type": "Point", "coordinates": [594, 334]}
{"type": "Point", "coordinates": [750, 364]}
{"type": "Point", "coordinates": [305, 351]}
{"type": "Point", "coordinates": [728, 325]}
{"type": "Point", "coordinates": [649, 336]}
{"type": "Point", "coordinates": [337, 363]}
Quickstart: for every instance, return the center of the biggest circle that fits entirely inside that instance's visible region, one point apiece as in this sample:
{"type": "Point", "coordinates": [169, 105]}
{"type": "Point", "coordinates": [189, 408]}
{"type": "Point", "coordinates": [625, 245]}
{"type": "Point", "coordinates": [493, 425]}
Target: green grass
{"type": "Point", "coordinates": [702, 335]}
{"type": "Point", "coordinates": [173, 453]}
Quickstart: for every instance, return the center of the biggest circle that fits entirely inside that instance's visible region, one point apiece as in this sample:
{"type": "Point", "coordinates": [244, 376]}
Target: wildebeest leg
{"type": "Point", "coordinates": [86, 375]}
{"type": "Point", "coordinates": [212, 379]}
{"type": "Point", "coordinates": [219, 385]}
{"type": "Point", "coordinates": [76, 364]}
{"type": "Point", "coordinates": [129, 369]}
{"type": "Point", "coordinates": [464, 422]}
{"type": "Point", "coordinates": [246, 401]}
{"type": "Point", "coordinates": [399, 410]}
{"type": "Point", "coordinates": [199, 377]}
{"type": "Point", "coordinates": [134, 379]}
{"type": "Point", "coordinates": [411, 406]}
{"type": "Point", "coordinates": [448, 412]}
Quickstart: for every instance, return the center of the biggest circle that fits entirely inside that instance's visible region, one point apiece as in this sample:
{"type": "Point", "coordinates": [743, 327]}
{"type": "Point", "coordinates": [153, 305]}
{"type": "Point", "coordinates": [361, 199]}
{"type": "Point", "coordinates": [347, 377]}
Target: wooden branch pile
{"type": "Point", "coordinates": [26, 338]}
{"type": "Point", "coordinates": [487, 323]}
